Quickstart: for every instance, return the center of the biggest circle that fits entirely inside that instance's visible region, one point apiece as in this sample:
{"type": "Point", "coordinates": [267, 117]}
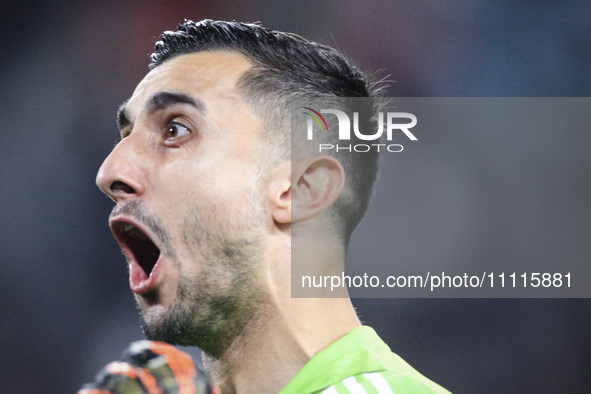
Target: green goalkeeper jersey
{"type": "Point", "coordinates": [360, 362]}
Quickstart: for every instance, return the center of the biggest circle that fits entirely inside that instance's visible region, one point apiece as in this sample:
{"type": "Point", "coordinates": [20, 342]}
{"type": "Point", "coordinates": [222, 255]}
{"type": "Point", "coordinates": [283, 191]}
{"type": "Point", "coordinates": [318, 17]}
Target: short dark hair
{"type": "Point", "coordinates": [287, 67]}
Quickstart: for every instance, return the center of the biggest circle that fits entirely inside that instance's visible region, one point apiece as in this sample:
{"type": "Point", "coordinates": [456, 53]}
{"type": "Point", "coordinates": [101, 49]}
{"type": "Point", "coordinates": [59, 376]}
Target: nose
{"type": "Point", "coordinates": [120, 176]}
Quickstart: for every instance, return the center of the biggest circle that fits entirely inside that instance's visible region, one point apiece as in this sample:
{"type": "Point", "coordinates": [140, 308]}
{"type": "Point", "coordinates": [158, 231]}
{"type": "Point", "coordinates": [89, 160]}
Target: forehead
{"type": "Point", "coordinates": [206, 76]}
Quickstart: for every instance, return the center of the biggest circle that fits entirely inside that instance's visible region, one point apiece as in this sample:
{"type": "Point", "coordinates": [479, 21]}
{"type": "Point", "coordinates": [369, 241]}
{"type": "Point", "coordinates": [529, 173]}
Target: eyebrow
{"type": "Point", "coordinates": [158, 102]}
{"type": "Point", "coordinates": [163, 100]}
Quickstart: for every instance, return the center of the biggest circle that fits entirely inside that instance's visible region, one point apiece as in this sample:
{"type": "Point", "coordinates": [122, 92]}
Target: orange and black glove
{"type": "Point", "coordinates": [151, 368]}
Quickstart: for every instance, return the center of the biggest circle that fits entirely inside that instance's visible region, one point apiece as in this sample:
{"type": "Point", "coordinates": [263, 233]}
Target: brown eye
{"type": "Point", "coordinates": [176, 130]}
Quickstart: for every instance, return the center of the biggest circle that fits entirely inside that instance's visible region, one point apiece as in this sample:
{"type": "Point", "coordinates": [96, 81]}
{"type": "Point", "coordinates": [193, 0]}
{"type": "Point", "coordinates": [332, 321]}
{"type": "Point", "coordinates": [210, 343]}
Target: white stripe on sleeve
{"type": "Point", "coordinates": [379, 382]}
{"type": "Point", "coordinates": [354, 386]}
{"type": "Point", "coordinates": [330, 390]}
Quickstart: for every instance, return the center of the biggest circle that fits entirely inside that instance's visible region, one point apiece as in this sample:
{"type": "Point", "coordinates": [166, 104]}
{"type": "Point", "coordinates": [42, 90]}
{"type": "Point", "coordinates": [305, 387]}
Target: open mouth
{"type": "Point", "coordinates": [137, 246]}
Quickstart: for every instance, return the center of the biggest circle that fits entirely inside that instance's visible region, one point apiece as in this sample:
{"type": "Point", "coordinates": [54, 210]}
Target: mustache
{"type": "Point", "coordinates": [136, 210]}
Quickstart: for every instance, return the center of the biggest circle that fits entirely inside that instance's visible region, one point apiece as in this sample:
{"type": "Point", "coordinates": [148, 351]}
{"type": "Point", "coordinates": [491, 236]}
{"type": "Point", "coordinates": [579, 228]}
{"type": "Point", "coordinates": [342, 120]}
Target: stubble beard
{"type": "Point", "coordinates": [212, 309]}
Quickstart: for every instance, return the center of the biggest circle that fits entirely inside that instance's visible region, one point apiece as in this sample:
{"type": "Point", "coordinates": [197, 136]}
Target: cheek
{"type": "Point", "coordinates": [226, 184]}
{"type": "Point", "coordinates": [205, 190]}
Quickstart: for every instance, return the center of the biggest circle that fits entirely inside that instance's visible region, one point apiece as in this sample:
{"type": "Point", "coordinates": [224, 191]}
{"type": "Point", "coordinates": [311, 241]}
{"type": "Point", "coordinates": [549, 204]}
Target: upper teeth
{"type": "Point", "coordinates": [134, 232]}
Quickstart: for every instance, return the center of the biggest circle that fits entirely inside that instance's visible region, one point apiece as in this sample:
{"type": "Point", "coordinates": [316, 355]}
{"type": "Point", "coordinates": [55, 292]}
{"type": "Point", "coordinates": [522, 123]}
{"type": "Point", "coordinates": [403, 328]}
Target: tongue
{"type": "Point", "coordinates": [139, 281]}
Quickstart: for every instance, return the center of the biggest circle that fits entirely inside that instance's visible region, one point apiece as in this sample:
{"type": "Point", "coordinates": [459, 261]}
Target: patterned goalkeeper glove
{"type": "Point", "coordinates": [151, 368]}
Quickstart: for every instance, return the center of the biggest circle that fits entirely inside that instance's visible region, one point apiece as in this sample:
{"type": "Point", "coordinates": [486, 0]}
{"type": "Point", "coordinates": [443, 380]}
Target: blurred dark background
{"type": "Point", "coordinates": [66, 66]}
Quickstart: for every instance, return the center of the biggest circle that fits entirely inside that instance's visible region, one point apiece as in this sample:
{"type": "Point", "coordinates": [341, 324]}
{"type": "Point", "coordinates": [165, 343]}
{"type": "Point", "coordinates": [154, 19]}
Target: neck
{"type": "Point", "coordinates": [277, 344]}
{"type": "Point", "coordinates": [286, 332]}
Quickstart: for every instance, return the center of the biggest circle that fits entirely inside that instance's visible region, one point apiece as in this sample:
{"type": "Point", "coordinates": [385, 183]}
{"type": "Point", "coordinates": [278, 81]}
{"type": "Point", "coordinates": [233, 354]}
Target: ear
{"type": "Point", "coordinates": [316, 183]}
{"type": "Point", "coordinates": [303, 189]}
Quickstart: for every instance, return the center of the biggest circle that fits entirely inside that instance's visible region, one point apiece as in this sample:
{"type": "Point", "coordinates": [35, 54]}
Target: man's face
{"type": "Point", "coordinates": [190, 211]}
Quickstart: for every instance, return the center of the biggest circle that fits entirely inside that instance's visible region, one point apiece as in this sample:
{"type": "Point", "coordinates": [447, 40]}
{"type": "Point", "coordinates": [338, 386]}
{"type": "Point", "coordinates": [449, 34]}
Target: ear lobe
{"type": "Point", "coordinates": [317, 183]}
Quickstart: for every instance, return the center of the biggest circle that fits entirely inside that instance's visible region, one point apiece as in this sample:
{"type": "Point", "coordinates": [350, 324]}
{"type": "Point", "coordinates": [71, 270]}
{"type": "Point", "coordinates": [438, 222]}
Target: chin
{"type": "Point", "coordinates": [169, 325]}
